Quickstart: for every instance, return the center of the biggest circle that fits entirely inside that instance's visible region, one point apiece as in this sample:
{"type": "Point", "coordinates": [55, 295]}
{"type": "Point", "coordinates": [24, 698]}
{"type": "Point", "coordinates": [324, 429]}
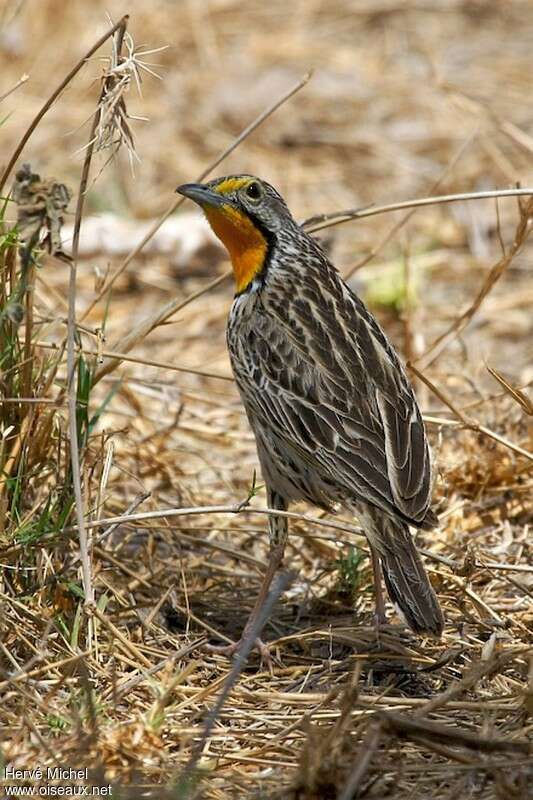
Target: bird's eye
{"type": "Point", "coordinates": [253, 191]}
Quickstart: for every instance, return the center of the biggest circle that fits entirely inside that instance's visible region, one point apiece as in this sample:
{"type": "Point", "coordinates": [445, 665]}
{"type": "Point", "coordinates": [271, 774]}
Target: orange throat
{"type": "Point", "coordinates": [246, 245]}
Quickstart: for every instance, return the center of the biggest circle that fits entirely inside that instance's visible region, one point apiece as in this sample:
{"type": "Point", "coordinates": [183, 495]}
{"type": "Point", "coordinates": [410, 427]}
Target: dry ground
{"type": "Point", "coordinates": [408, 99]}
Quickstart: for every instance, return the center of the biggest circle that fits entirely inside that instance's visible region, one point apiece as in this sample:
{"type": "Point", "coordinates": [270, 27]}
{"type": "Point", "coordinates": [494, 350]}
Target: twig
{"type": "Point", "coordinates": [339, 217]}
{"type": "Point", "coordinates": [407, 726]}
{"type": "Point", "coordinates": [196, 511]}
{"type": "Point", "coordinates": [163, 699]}
{"type": "Point", "coordinates": [504, 567]}
{"type": "Point", "coordinates": [522, 232]}
{"type": "Point", "coordinates": [22, 80]}
{"type": "Point", "coordinates": [77, 558]}
{"type": "Point", "coordinates": [29, 351]}
{"type": "Point", "coordinates": [279, 585]}
{"type": "Point", "coordinates": [148, 324]}
{"type": "Point", "coordinates": [134, 360]}
{"type": "Point", "coordinates": [469, 423]}
{"type": "Point", "coordinates": [130, 509]}
{"type": "Point", "coordinates": [183, 303]}
{"type": "Point", "coordinates": [126, 643]}
{"type": "Point", "coordinates": [132, 683]}
{"type": "Point", "coordinates": [502, 440]}
{"type": "Point", "coordinates": [41, 400]}
{"type": "Point", "coordinates": [177, 203]}
{"type": "Point", "coordinates": [517, 394]}
{"type": "Point", "coordinates": [367, 749]}
{"type": "Point", "coordinates": [478, 671]}
{"type": "Point", "coordinates": [394, 229]}
{"type": "Point", "coordinates": [38, 671]}
{"type": "Point", "coordinates": [53, 97]}
{"type": "Point", "coordinates": [72, 384]}
{"type": "Point", "coordinates": [186, 512]}
{"type": "Point", "coordinates": [440, 394]}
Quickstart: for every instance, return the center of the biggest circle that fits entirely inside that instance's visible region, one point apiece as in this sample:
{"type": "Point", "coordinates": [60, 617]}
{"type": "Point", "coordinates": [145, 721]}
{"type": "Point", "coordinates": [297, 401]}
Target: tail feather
{"type": "Point", "coordinates": [406, 579]}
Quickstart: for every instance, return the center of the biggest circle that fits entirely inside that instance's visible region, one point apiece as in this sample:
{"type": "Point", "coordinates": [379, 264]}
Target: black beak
{"type": "Point", "coordinates": [201, 194]}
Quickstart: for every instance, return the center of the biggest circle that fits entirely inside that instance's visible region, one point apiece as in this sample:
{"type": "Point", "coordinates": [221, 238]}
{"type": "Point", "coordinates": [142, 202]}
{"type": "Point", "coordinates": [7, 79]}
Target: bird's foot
{"type": "Point", "coordinates": [380, 620]}
{"type": "Point", "coordinates": [230, 650]}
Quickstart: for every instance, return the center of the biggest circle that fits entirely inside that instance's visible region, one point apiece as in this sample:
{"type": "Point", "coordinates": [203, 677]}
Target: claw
{"type": "Point", "coordinates": [380, 619]}
{"type": "Point", "coordinates": [229, 650]}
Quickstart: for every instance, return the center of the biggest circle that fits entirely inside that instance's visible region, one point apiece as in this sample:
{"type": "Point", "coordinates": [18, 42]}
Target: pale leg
{"type": "Point", "coordinates": [380, 616]}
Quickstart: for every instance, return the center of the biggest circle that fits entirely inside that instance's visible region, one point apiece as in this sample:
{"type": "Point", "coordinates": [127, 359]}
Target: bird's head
{"type": "Point", "coordinates": [247, 215]}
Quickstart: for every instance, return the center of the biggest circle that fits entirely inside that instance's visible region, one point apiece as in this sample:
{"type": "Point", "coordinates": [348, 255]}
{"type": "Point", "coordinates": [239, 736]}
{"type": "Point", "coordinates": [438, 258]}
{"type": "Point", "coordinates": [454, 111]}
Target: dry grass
{"type": "Point", "coordinates": [407, 99]}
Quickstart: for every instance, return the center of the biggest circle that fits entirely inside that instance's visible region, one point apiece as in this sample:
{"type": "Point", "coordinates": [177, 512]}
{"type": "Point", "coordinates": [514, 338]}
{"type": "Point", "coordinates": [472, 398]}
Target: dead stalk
{"type": "Point", "coordinates": [339, 217]}
{"type": "Point", "coordinates": [71, 356]}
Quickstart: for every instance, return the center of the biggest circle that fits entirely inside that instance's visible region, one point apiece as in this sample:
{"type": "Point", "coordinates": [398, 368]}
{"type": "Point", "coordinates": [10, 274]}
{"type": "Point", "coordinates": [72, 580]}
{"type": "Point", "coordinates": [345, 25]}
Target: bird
{"type": "Point", "coordinates": [335, 418]}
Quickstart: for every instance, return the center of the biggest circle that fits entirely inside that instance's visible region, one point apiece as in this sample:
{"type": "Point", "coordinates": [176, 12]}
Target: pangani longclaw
{"type": "Point", "coordinates": [333, 413]}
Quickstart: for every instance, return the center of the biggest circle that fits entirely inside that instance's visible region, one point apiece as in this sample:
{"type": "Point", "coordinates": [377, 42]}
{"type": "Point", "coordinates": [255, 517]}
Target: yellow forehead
{"type": "Point", "coordinates": [230, 185]}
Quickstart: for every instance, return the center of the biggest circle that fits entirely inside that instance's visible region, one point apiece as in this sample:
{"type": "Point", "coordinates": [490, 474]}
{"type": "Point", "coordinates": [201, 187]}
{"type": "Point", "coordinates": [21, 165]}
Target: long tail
{"type": "Point", "coordinates": [405, 577]}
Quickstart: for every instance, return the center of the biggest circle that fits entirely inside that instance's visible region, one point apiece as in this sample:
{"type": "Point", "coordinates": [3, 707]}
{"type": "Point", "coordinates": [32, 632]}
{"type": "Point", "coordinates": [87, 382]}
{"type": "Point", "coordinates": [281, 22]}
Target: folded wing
{"type": "Point", "coordinates": [332, 388]}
